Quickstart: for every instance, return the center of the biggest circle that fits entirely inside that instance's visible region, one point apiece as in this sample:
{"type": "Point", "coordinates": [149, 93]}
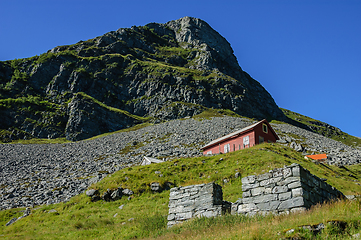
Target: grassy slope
{"type": "Point", "coordinates": [82, 219]}
{"type": "Point", "coordinates": [321, 129]}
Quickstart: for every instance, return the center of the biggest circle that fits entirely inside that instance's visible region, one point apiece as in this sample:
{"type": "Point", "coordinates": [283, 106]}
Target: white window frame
{"type": "Point", "coordinates": [245, 140]}
{"type": "Point", "coordinates": [227, 148]}
{"type": "Point", "coordinates": [264, 128]}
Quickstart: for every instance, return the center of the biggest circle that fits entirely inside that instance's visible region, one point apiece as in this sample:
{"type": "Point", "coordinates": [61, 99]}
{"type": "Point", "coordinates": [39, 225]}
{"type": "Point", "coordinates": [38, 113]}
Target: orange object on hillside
{"type": "Point", "coordinates": [317, 156]}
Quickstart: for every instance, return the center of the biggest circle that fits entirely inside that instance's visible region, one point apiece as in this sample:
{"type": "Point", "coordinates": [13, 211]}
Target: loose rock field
{"type": "Point", "coordinates": [51, 173]}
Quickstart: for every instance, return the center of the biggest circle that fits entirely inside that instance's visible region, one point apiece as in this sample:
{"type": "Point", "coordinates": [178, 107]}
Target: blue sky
{"type": "Point", "coordinates": [307, 54]}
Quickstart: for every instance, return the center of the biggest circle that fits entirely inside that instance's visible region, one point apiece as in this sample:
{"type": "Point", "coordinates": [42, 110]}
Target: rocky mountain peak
{"type": "Point", "coordinates": [198, 33]}
{"type": "Point", "coordinates": [155, 72]}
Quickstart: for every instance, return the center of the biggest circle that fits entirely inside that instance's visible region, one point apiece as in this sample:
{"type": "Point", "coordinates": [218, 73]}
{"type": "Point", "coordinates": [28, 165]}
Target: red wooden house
{"type": "Point", "coordinates": [257, 133]}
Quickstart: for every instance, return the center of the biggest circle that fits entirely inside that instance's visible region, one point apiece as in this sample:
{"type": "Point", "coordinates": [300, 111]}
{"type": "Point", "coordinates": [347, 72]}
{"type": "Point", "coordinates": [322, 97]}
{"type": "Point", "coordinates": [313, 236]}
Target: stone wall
{"type": "Point", "coordinates": [281, 190]}
{"type": "Point", "coordinates": [288, 189]}
{"type": "Point", "coordinates": [196, 201]}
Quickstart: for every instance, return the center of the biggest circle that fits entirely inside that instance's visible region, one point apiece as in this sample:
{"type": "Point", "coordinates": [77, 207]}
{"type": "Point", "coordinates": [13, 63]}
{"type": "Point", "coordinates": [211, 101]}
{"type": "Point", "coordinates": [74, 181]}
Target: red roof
{"type": "Point", "coordinates": [317, 156]}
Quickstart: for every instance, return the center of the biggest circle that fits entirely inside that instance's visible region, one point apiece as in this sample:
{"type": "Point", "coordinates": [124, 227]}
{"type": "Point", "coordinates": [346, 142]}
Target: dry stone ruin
{"type": "Point", "coordinates": [281, 190]}
{"type": "Point", "coordinates": [203, 200]}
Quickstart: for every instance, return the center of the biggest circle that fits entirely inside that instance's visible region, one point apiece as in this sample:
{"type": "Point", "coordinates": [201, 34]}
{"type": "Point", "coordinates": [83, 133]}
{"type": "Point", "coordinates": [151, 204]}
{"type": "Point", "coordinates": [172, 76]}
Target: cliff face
{"type": "Point", "coordinates": [149, 73]}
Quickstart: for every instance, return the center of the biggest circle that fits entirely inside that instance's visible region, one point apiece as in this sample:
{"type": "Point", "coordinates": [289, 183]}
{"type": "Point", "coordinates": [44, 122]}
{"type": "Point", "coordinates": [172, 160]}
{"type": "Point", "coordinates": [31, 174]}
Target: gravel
{"type": "Point", "coordinates": [37, 174]}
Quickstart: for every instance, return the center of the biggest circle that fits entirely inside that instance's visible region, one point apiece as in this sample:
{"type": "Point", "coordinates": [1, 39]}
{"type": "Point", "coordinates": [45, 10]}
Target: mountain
{"type": "Point", "coordinates": [150, 73]}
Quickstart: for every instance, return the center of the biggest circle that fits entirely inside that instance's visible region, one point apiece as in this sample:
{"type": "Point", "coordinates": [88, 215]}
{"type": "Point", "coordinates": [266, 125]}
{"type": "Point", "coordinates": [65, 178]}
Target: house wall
{"type": "Point", "coordinates": [268, 137]}
{"type": "Point", "coordinates": [235, 144]}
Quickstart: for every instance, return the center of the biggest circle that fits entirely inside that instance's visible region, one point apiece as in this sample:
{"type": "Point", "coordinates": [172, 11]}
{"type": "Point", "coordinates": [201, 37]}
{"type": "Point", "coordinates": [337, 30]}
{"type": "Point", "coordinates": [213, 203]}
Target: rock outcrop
{"type": "Point", "coordinates": [159, 71]}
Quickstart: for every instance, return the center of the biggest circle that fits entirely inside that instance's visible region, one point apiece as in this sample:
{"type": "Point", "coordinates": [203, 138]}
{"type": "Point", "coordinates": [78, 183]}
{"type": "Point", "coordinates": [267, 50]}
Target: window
{"type": "Point", "coordinates": [246, 140]}
{"type": "Point", "coordinates": [227, 148]}
{"type": "Point", "coordinates": [209, 152]}
{"type": "Point", "coordinates": [261, 139]}
{"type": "Point", "coordinates": [265, 128]}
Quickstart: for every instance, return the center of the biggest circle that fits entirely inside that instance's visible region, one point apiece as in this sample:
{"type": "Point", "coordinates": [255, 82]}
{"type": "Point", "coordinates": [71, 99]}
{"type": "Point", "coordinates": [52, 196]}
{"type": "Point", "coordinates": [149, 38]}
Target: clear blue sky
{"type": "Point", "coordinates": [306, 53]}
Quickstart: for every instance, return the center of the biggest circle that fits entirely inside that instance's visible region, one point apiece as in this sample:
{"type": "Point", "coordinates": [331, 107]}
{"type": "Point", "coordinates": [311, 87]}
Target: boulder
{"type": "Point", "coordinates": [127, 192]}
{"type": "Point", "coordinates": [92, 192]}
{"type": "Point", "coordinates": [107, 195]}
{"type": "Point", "coordinates": [156, 187]}
{"type": "Point", "coordinates": [117, 194]}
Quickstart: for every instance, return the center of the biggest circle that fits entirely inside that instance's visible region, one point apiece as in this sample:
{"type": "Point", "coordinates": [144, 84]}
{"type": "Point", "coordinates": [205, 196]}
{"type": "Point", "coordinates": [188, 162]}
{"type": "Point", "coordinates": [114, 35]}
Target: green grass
{"type": "Point", "coordinates": [210, 112]}
{"type": "Point", "coordinates": [84, 95]}
{"type": "Point", "coordinates": [273, 227]}
{"type": "Point", "coordinates": [33, 100]}
{"type": "Point", "coordinates": [319, 127]}
{"type": "Point", "coordinates": [165, 51]}
{"type": "Point", "coordinates": [41, 141]}
{"type": "Point", "coordinates": [82, 219]}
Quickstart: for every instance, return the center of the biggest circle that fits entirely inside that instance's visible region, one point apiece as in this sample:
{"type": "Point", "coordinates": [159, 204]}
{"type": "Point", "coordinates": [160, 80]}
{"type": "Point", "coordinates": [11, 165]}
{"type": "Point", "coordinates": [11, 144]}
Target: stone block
{"type": "Point", "coordinates": [205, 198]}
{"type": "Point", "coordinates": [264, 182]}
{"type": "Point", "coordinates": [287, 172]}
{"type": "Point", "coordinates": [175, 209]}
{"type": "Point", "coordinates": [257, 191]}
{"type": "Point", "coordinates": [268, 182]}
{"type": "Point", "coordinates": [268, 190]}
{"type": "Point", "coordinates": [247, 200]}
{"type": "Point", "coordinates": [247, 194]}
{"type": "Point", "coordinates": [265, 198]}
{"type": "Point", "coordinates": [249, 179]}
{"type": "Point", "coordinates": [284, 196]}
{"type": "Point", "coordinates": [288, 181]}
{"type": "Point", "coordinates": [247, 186]}
{"type": "Point", "coordinates": [294, 185]}
{"type": "Point", "coordinates": [211, 212]}
{"type": "Point", "coordinates": [268, 206]}
{"type": "Point", "coordinates": [198, 186]}
{"type": "Point", "coordinates": [297, 192]}
{"type": "Point", "coordinates": [245, 208]}
{"type": "Point", "coordinates": [280, 189]}
{"type": "Point", "coordinates": [179, 196]}
{"type": "Point", "coordinates": [296, 171]}
{"type": "Point", "coordinates": [264, 176]}
{"type": "Point", "coordinates": [277, 173]}
{"type": "Point", "coordinates": [234, 208]}
{"type": "Point", "coordinates": [183, 216]}
{"type": "Point", "coordinates": [291, 203]}
{"type": "Point", "coordinates": [194, 192]}
{"type": "Point", "coordinates": [171, 217]}
{"type": "Point", "coordinates": [198, 206]}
